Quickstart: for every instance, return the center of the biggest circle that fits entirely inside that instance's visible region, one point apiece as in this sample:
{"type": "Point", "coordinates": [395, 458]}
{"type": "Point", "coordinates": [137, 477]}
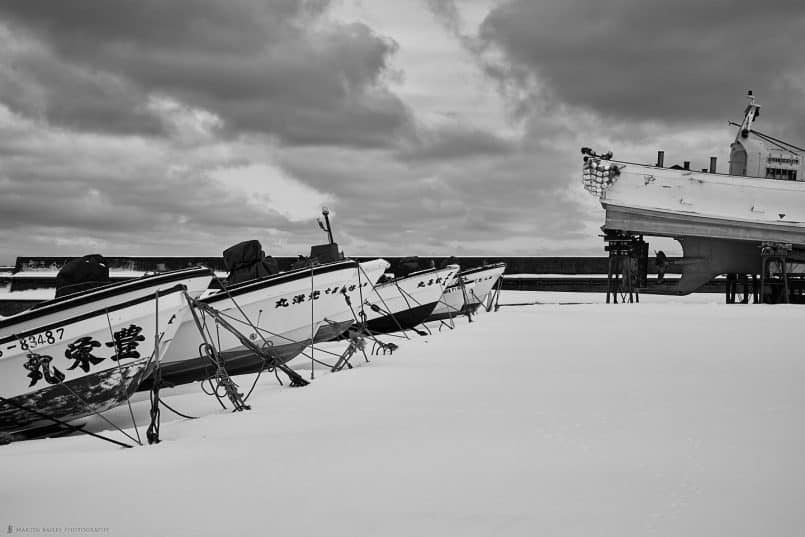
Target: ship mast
{"type": "Point", "coordinates": [750, 114]}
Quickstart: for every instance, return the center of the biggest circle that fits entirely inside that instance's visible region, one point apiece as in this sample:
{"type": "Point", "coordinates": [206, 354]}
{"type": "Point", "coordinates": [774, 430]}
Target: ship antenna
{"type": "Point", "coordinates": [326, 226]}
{"type": "Point", "coordinates": [750, 114]}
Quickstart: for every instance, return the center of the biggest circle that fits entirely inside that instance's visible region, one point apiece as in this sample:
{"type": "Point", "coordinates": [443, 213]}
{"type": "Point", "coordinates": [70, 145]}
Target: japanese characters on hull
{"type": "Point", "coordinates": [86, 363]}
{"type": "Point", "coordinates": [86, 351]}
{"type": "Point", "coordinates": [301, 298]}
{"type": "Point", "coordinates": [405, 302]}
{"type": "Point", "coordinates": [467, 291]}
{"type": "Point", "coordinates": [283, 312]}
{"type": "Point", "coordinates": [125, 342]}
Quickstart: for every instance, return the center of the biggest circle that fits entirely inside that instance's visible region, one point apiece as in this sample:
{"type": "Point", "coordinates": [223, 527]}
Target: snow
{"type": "Point", "coordinates": [527, 276]}
{"type": "Point", "coordinates": [570, 417]}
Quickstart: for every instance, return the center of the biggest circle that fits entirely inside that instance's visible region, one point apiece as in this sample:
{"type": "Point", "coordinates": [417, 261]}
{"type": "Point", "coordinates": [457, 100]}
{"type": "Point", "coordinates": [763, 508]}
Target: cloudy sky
{"type": "Point", "coordinates": [426, 126]}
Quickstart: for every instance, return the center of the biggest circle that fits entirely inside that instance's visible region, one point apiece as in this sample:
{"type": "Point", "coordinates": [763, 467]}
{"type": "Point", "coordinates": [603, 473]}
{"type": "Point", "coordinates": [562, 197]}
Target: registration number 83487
{"type": "Point", "coordinates": [35, 341]}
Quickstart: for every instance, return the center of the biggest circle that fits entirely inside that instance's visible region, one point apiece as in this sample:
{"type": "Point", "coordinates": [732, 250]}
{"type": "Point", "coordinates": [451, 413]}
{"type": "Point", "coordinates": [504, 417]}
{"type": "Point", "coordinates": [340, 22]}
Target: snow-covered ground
{"type": "Point", "coordinates": [570, 417]}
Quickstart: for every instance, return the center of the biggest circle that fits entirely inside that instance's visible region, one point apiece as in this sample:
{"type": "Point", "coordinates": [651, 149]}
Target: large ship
{"type": "Point", "coordinates": [726, 223]}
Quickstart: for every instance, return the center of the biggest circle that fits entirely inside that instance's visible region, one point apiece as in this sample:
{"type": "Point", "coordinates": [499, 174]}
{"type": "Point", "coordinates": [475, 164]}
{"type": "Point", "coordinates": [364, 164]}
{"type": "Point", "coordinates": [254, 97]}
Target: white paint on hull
{"type": "Point", "coordinates": [416, 289]}
{"type": "Point", "coordinates": [477, 284]}
{"type": "Point", "coordinates": [278, 314]}
{"type": "Point", "coordinates": [55, 340]}
{"type": "Point", "coordinates": [704, 204]}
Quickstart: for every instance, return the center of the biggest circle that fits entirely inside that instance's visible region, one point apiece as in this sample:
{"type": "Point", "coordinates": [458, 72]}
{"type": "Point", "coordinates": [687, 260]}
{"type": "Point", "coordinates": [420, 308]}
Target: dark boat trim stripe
{"type": "Point", "coordinates": [278, 279]}
{"type": "Point", "coordinates": [476, 270]}
{"type": "Point", "coordinates": [481, 269]}
{"type": "Point", "coordinates": [107, 291]}
{"type": "Point", "coordinates": [407, 319]}
{"type": "Point", "coordinates": [84, 316]}
{"type": "Point", "coordinates": [412, 275]}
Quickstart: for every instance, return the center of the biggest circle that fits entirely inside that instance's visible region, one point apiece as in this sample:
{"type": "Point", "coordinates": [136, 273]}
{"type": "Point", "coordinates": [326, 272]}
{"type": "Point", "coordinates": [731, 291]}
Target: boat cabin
{"type": "Point", "coordinates": [754, 154]}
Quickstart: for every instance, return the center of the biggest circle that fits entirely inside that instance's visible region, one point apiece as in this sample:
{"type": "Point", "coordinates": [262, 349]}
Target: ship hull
{"type": "Point", "coordinates": [667, 223]}
{"type": "Point", "coordinates": [721, 221]}
{"type": "Point", "coordinates": [681, 203]}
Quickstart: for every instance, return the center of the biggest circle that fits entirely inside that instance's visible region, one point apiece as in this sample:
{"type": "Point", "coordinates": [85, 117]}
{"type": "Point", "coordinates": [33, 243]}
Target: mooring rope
{"type": "Point", "coordinates": [232, 298]}
{"type": "Point", "coordinates": [393, 317]}
{"type": "Point", "coordinates": [312, 329]}
{"type": "Point", "coordinates": [152, 432]}
{"type": "Point", "coordinates": [403, 292]}
{"type": "Point", "coordinates": [95, 412]}
{"type": "Point", "coordinates": [263, 331]}
{"type": "Point", "coordinates": [221, 375]}
{"type": "Point", "coordinates": [120, 368]}
{"type": "Point", "coordinates": [166, 405]}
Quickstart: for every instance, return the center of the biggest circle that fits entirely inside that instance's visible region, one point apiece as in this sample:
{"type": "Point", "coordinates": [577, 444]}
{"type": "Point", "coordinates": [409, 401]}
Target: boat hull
{"type": "Point", "coordinates": [462, 299]}
{"type": "Point", "coordinates": [404, 303]}
{"type": "Point", "coordinates": [93, 393]}
{"type": "Point", "coordinates": [195, 280]}
{"type": "Point", "coordinates": [406, 319]}
{"type": "Point", "coordinates": [87, 364]}
{"type": "Point", "coordinates": [721, 221]}
{"type": "Point", "coordinates": [340, 321]}
{"type": "Point", "coordinates": [332, 330]}
{"type": "Point", "coordinates": [681, 203]}
{"type": "Point", "coordinates": [236, 362]}
{"type": "Point", "coordinates": [664, 223]}
{"type": "Point", "coordinates": [283, 313]}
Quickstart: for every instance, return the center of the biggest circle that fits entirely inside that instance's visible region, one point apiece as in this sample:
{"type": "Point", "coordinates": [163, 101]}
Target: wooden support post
{"type": "Point", "coordinates": [627, 265]}
{"type": "Point", "coordinates": [627, 276]}
{"type": "Point", "coordinates": [729, 289]}
{"type": "Point", "coordinates": [775, 252]}
{"type": "Point", "coordinates": [617, 286]}
{"type": "Point", "coordinates": [763, 268]}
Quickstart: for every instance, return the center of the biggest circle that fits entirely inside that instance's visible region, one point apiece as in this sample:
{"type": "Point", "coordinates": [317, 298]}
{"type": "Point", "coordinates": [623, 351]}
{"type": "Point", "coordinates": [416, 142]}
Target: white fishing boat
{"type": "Point", "coordinates": [722, 221]}
{"type": "Point", "coordinates": [405, 302]}
{"type": "Point", "coordinates": [339, 322]}
{"type": "Point", "coordinates": [280, 313]}
{"type": "Point", "coordinates": [84, 353]}
{"type": "Point", "coordinates": [467, 291]}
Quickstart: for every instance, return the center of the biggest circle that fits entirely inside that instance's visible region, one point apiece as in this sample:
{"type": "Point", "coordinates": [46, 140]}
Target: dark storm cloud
{"type": "Point", "coordinates": [455, 143]}
{"type": "Point", "coordinates": [188, 216]}
{"type": "Point", "coordinates": [67, 193]}
{"type": "Point", "coordinates": [39, 86]}
{"type": "Point", "coordinates": [273, 67]}
{"type": "Point", "coordinates": [117, 201]}
{"type": "Point", "coordinates": [652, 59]}
{"type": "Point", "coordinates": [316, 87]}
{"type": "Point", "coordinates": [484, 204]}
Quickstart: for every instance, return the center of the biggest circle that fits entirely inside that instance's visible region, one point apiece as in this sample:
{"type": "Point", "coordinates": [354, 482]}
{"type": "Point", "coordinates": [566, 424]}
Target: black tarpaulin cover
{"type": "Point", "coordinates": [81, 274]}
{"type": "Point", "coordinates": [247, 261]}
